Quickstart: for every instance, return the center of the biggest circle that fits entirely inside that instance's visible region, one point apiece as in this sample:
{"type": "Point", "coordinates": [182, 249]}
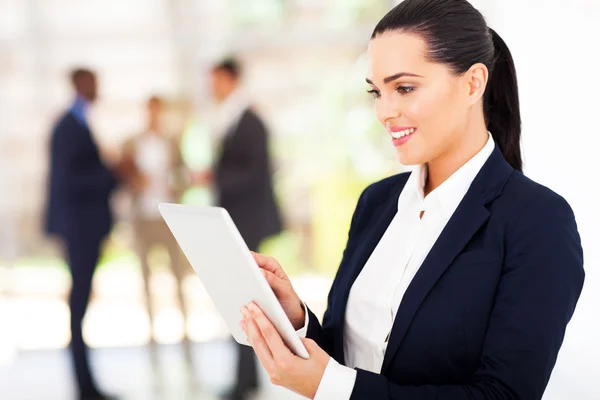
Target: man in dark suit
{"type": "Point", "coordinates": [242, 179]}
{"type": "Point", "coordinates": [78, 212]}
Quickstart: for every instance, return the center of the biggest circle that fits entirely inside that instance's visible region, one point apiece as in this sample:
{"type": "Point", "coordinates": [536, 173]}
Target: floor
{"type": "Point", "coordinates": [130, 373]}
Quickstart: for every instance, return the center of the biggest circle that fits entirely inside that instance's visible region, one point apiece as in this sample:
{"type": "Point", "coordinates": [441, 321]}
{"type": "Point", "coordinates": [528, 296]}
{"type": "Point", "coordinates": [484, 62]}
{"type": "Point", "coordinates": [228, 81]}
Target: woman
{"type": "Point", "coordinates": [458, 280]}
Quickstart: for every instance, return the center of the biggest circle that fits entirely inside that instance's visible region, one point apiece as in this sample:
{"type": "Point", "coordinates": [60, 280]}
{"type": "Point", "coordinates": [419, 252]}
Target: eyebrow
{"type": "Point", "coordinates": [395, 76]}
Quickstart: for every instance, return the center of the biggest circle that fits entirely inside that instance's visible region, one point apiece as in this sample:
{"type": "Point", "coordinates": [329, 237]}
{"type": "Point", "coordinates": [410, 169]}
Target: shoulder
{"type": "Point", "coordinates": [378, 193]}
{"type": "Point", "coordinates": [541, 226]}
{"type": "Point", "coordinates": [374, 196]}
{"type": "Point", "coordinates": [251, 119]}
{"type": "Point", "coordinates": [382, 190]}
{"type": "Point", "coordinates": [64, 119]}
{"type": "Point", "coordinates": [64, 125]}
{"type": "Point", "coordinates": [531, 202]}
{"type": "Point", "coordinates": [541, 239]}
{"type": "Point", "coordinates": [251, 113]}
{"type": "Point", "coordinates": [250, 130]}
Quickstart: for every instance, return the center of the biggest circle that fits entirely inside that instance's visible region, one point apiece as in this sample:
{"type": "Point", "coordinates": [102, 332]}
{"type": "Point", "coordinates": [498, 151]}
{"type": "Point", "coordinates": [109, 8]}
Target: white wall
{"type": "Point", "coordinates": [556, 49]}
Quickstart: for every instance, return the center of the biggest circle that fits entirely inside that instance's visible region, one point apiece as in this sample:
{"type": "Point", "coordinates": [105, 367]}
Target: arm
{"type": "Point", "coordinates": [541, 282]}
{"type": "Point", "coordinates": [81, 178]}
{"type": "Point", "coordinates": [320, 377]}
{"type": "Point", "coordinates": [128, 153]}
{"type": "Point", "coordinates": [337, 381]}
{"type": "Point", "coordinates": [179, 177]}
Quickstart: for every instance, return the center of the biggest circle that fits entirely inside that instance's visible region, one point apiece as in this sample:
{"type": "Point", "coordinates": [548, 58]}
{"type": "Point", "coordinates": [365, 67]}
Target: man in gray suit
{"type": "Point", "coordinates": [242, 179]}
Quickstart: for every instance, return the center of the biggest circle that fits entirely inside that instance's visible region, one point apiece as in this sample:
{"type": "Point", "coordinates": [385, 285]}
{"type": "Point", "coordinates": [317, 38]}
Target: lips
{"type": "Point", "coordinates": [400, 132]}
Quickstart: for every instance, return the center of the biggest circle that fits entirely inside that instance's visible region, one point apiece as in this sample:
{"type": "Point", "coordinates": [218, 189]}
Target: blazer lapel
{"type": "Point", "coordinates": [366, 243]}
{"type": "Point", "coordinates": [470, 215]}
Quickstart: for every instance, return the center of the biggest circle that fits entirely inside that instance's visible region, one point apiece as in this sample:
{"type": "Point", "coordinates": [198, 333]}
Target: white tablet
{"type": "Point", "coordinates": [224, 264]}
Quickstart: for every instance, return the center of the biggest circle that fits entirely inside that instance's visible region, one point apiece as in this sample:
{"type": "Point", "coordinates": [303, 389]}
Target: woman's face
{"type": "Point", "coordinates": [424, 106]}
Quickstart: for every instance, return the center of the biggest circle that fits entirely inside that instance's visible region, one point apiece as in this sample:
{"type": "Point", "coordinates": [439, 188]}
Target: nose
{"type": "Point", "coordinates": [387, 110]}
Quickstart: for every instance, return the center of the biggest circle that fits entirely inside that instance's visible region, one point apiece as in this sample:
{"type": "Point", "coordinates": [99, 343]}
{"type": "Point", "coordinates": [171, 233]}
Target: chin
{"type": "Point", "coordinates": [407, 158]}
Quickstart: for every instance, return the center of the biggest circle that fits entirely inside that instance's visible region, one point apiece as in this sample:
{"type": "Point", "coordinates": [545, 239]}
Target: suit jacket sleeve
{"type": "Point", "coordinates": [541, 282]}
{"type": "Point", "coordinates": [324, 335]}
{"type": "Point", "coordinates": [252, 167]}
{"type": "Point", "coordinates": [82, 178]}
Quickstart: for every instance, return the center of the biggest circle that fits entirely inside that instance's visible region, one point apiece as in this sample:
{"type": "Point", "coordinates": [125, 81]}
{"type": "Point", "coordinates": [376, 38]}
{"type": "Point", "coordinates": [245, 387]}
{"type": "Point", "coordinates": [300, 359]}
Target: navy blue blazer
{"type": "Point", "coordinates": [79, 183]}
{"type": "Point", "coordinates": [485, 315]}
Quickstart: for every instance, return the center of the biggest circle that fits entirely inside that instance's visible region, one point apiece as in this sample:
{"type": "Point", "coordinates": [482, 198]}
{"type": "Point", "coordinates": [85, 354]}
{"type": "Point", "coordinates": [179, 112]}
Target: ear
{"type": "Point", "coordinates": [477, 77]}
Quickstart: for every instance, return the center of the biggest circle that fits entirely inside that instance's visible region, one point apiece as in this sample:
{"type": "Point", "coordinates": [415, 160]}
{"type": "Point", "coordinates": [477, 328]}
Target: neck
{"type": "Point", "coordinates": [153, 125]}
{"type": "Point", "coordinates": [81, 101]}
{"type": "Point", "coordinates": [444, 166]}
{"type": "Point", "coordinates": [229, 93]}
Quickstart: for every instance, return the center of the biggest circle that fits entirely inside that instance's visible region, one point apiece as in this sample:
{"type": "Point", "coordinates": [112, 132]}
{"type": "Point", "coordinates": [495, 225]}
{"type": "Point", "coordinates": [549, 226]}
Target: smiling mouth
{"type": "Point", "coordinates": [402, 133]}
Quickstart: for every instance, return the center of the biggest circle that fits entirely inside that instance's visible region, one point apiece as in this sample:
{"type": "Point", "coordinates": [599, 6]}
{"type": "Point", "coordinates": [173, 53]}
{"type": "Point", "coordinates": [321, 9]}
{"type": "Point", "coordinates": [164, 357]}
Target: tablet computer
{"type": "Point", "coordinates": [219, 256]}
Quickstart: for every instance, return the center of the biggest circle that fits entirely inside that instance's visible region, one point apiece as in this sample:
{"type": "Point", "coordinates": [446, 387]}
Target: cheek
{"type": "Point", "coordinates": [434, 114]}
{"type": "Point", "coordinates": [431, 112]}
{"type": "Point", "coordinates": [427, 110]}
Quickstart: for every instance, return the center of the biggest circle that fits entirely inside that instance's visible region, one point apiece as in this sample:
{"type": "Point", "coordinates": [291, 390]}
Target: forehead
{"type": "Point", "coordinates": [219, 72]}
{"type": "Point", "coordinates": [394, 52]}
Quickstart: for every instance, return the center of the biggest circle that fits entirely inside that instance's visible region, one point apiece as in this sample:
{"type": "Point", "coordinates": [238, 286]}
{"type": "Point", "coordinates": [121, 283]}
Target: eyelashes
{"type": "Point", "coordinates": [401, 89]}
{"type": "Point", "coordinates": [374, 93]}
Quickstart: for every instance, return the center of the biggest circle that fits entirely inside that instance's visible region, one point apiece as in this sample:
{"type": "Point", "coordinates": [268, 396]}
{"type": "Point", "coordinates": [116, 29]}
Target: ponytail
{"type": "Point", "coordinates": [501, 104]}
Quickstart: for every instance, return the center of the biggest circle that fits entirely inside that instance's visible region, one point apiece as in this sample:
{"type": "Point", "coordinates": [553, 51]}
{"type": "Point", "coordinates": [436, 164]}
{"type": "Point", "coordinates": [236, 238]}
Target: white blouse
{"type": "Point", "coordinates": [377, 292]}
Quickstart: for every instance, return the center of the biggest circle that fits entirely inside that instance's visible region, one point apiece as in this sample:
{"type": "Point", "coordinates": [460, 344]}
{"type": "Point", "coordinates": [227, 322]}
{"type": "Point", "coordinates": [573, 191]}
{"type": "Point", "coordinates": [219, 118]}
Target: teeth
{"type": "Point", "coordinates": [400, 134]}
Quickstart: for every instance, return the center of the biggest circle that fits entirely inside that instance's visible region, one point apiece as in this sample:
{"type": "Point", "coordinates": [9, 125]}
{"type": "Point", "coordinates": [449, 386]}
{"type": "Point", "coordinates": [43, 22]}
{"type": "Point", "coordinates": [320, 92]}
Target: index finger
{"type": "Point", "coordinates": [269, 264]}
{"type": "Point", "coordinates": [273, 339]}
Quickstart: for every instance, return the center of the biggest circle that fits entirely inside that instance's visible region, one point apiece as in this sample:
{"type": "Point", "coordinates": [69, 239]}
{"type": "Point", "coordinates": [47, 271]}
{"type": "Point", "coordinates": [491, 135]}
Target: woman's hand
{"type": "Point", "coordinates": [284, 368]}
{"type": "Point", "coordinates": [283, 289]}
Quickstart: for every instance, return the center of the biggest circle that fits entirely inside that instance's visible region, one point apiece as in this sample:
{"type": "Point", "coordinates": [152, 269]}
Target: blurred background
{"type": "Point", "coordinates": [304, 69]}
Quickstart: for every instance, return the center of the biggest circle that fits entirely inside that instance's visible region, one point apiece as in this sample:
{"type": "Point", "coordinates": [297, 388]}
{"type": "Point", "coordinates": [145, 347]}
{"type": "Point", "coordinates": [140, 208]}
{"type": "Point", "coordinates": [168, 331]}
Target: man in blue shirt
{"type": "Point", "coordinates": [78, 211]}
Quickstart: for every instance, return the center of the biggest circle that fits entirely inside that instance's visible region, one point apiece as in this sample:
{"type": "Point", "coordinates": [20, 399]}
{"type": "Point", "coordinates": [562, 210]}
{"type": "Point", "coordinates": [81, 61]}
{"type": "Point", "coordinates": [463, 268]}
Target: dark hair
{"type": "Point", "coordinates": [458, 36]}
{"type": "Point", "coordinates": [229, 65]}
{"type": "Point", "coordinates": [155, 99]}
{"type": "Point", "coordinates": [79, 73]}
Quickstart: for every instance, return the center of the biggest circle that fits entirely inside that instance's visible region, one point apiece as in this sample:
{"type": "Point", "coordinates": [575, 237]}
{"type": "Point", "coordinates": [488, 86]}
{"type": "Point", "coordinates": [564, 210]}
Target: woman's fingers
{"type": "Point", "coordinates": [279, 286]}
{"type": "Point", "coordinates": [257, 341]}
{"type": "Point", "coordinates": [269, 264]}
{"type": "Point", "coordinates": [277, 347]}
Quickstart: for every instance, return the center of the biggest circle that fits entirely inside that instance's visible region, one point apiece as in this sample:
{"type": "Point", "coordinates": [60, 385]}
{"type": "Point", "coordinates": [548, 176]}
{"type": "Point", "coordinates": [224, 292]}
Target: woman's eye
{"type": "Point", "coordinates": [405, 89]}
{"type": "Point", "coordinates": [374, 93]}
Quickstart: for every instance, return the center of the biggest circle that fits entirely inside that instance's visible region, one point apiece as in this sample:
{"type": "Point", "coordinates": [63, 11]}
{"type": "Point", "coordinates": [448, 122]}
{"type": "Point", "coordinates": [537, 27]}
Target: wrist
{"type": "Point", "coordinates": [298, 321]}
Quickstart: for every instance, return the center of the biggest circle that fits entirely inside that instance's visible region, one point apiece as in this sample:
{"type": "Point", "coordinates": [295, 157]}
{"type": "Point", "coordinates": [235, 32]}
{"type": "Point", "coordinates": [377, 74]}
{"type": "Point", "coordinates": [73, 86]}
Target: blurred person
{"type": "Point", "coordinates": [242, 180]}
{"type": "Point", "coordinates": [163, 177]}
{"type": "Point", "coordinates": [78, 211]}
{"type": "Point", "coordinates": [459, 278]}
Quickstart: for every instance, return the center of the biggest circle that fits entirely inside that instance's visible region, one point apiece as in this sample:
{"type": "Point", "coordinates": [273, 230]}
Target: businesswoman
{"type": "Point", "coordinates": [458, 280]}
